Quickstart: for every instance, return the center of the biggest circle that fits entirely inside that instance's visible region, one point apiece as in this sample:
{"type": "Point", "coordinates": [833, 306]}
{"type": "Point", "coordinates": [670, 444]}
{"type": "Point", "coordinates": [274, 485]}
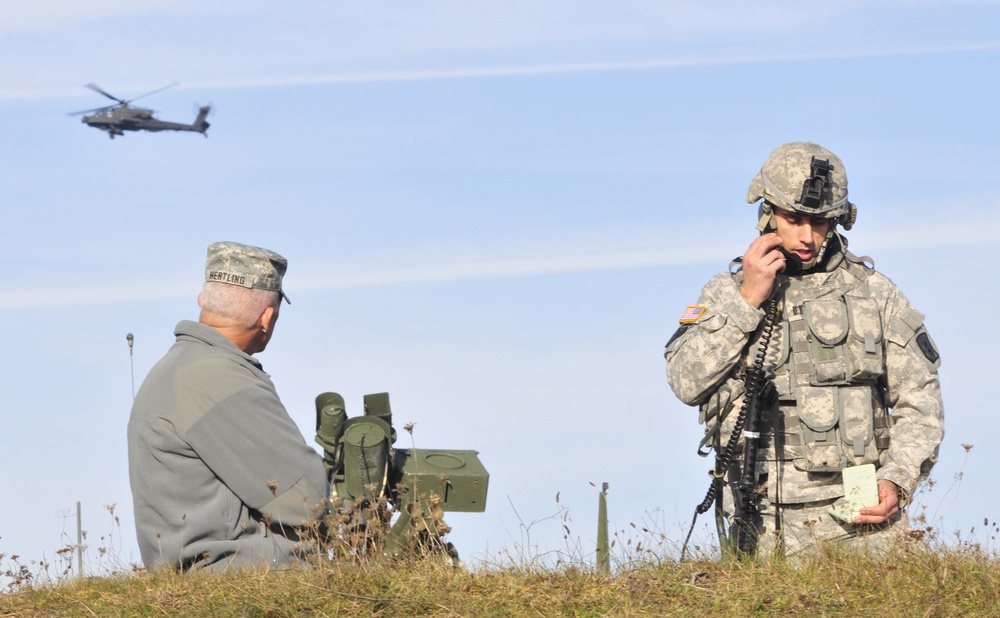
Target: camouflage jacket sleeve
{"type": "Point", "coordinates": [912, 389]}
{"type": "Point", "coordinates": [702, 354]}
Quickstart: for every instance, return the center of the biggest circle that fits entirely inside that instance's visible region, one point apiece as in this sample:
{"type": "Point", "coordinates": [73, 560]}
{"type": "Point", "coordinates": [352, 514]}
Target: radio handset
{"type": "Point", "coordinates": [793, 263]}
{"type": "Point", "coordinates": [759, 395]}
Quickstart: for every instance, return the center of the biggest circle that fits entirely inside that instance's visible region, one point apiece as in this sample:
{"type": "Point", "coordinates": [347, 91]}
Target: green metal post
{"type": "Point", "coordinates": [79, 541]}
{"type": "Point", "coordinates": [603, 549]}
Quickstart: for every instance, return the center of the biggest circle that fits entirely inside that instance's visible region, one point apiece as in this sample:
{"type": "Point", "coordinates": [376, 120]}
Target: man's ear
{"type": "Point", "coordinates": [199, 299]}
{"type": "Point", "coordinates": [264, 321]}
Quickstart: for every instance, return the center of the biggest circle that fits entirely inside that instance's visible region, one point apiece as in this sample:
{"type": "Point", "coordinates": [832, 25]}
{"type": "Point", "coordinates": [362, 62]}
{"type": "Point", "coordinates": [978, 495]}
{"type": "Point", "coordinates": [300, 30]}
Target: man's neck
{"type": "Point", "coordinates": [246, 339]}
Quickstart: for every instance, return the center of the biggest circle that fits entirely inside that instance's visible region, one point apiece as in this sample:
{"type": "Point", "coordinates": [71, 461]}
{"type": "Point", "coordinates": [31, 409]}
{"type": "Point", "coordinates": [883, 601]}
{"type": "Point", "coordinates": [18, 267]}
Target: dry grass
{"type": "Point", "coordinates": [928, 576]}
{"type": "Point", "coordinates": [912, 582]}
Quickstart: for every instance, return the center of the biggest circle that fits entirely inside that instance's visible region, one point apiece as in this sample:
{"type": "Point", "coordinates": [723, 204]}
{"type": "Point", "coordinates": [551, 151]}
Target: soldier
{"type": "Point", "coordinates": [854, 369]}
{"type": "Point", "coordinates": [221, 476]}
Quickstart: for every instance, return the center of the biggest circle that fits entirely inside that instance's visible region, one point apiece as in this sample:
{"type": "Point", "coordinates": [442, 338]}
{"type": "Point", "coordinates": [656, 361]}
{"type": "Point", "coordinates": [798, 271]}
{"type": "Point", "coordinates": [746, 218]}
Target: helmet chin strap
{"type": "Point", "coordinates": [819, 254]}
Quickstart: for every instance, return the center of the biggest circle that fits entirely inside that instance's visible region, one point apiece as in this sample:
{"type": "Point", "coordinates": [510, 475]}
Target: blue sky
{"type": "Point", "coordinates": [496, 213]}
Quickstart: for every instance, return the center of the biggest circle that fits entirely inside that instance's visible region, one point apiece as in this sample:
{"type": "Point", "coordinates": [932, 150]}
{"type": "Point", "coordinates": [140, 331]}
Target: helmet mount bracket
{"type": "Point", "coordinates": [817, 183]}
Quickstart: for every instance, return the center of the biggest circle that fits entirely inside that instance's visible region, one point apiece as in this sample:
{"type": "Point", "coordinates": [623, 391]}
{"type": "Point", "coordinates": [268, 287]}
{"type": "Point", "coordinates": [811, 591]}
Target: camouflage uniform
{"type": "Point", "coordinates": [856, 376]}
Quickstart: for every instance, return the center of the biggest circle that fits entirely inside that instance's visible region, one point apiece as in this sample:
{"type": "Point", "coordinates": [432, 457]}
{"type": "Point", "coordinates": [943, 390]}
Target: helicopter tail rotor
{"type": "Point", "coordinates": [200, 124]}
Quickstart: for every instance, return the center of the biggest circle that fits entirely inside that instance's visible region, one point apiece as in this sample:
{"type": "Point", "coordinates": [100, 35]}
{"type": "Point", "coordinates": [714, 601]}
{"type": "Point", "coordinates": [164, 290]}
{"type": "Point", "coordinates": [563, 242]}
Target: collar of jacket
{"type": "Point", "coordinates": [189, 329]}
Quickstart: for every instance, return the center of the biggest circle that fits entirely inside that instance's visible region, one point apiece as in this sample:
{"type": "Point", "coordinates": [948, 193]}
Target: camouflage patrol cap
{"type": "Point", "coordinates": [806, 178]}
{"type": "Point", "coordinates": [246, 266]}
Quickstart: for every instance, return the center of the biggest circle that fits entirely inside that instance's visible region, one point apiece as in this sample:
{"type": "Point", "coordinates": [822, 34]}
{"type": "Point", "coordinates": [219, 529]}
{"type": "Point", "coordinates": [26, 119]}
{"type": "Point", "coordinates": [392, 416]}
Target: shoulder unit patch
{"type": "Point", "coordinates": [924, 342]}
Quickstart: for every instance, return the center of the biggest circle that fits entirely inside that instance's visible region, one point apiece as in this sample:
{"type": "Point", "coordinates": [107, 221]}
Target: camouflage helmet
{"type": "Point", "coordinates": [804, 178]}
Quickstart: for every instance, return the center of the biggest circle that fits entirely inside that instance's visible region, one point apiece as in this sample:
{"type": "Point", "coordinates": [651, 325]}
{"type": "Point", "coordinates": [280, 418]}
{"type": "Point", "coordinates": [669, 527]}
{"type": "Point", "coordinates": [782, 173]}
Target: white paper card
{"type": "Point", "coordinates": [860, 490]}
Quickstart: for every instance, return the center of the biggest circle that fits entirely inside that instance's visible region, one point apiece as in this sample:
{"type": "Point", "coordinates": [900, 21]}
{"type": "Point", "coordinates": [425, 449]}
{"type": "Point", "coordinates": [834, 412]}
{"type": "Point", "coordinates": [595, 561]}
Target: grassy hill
{"type": "Point", "coordinates": [912, 581]}
{"type": "Point", "coordinates": [929, 575]}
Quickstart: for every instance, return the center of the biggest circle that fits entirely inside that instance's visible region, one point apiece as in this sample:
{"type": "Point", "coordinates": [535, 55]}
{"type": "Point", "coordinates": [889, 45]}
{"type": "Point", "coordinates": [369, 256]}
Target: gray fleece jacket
{"type": "Point", "coordinates": [221, 476]}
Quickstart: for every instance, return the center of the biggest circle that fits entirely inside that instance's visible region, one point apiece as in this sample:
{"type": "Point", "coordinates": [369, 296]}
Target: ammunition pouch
{"type": "Point", "coordinates": [845, 346]}
{"type": "Point", "coordinates": [832, 413]}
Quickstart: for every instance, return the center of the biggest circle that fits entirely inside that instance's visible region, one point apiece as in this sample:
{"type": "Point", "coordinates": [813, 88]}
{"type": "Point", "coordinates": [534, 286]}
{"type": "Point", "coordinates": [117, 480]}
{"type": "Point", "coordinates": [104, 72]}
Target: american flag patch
{"type": "Point", "coordinates": [692, 313]}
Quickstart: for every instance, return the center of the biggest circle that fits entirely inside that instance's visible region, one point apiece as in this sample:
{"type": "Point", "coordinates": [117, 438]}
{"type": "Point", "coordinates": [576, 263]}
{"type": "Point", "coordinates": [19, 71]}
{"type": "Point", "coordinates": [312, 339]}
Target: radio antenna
{"type": "Point", "coordinates": [131, 364]}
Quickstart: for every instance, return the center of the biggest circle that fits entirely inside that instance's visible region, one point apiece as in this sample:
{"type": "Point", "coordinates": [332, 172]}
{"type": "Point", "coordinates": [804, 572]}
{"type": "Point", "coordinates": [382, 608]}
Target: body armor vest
{"type": "Point", "coordinates": [826, 360]}
{"type": "Point", "coordinates": [828, 364]}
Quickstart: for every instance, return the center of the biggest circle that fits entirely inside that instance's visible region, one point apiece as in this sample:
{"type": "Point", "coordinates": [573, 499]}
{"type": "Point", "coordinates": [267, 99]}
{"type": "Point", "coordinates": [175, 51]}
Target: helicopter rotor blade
{"type": "Point", "coordinates": [96, 89]}
{"type": "Point", "coordinates": [88, 111]}
{"type": "Point", "coordinates": [153, 92]}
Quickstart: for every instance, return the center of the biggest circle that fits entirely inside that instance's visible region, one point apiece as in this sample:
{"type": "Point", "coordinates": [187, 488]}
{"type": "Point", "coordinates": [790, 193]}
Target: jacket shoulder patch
{"type": "Point", "coordinates": [927, 347]}
{"type": "Point", "coordinates": [692, 314]}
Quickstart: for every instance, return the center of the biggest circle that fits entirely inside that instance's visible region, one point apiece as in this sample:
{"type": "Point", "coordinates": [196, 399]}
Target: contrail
{"type": "Point", "coordinates": [288, 78]}
{"type": "Point", "coordinates": [591, 67]}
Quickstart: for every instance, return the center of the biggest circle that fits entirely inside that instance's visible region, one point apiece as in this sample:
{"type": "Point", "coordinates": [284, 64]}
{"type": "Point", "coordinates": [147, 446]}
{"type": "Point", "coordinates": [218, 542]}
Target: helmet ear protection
{"type": "Point", "coordinates": [847, 219]}
{"type": "Point", "coordinates": [765, 218]}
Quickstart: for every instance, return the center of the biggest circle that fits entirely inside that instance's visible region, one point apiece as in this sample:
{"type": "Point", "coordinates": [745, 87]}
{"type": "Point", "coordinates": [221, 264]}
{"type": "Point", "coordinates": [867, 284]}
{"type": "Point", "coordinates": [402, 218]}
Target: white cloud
{"type": "Point", "coordinates": [42, 15]}
{"type": "Point", "coordinates": [55, 42]}
{"type": "Point", "coordinates": [112, 293]}
{"type": "Point", "coordinates": [586, 67]}
{"type": "Point", "coordinates": [441, 24]}
{"type": "Point", "coordinates": [467, 263]}
{"type": "Point", "coordinates": [461, 269]}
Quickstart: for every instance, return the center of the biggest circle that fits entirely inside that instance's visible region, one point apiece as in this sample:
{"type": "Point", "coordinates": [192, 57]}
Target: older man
{"type": "Point", "coordinates": [221, 476]}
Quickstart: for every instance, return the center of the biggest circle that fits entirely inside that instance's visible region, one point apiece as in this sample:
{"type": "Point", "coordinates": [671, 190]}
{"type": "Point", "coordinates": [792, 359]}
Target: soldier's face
{"type": "Point", "coordinates": [801, 234]}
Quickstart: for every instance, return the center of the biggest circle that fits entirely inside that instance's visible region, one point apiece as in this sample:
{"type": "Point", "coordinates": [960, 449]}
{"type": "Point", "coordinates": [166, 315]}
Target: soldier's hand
{"type": "Point", "coordinates": [761, 264]}
{"type": "Point", "coordinates": [888, 505]}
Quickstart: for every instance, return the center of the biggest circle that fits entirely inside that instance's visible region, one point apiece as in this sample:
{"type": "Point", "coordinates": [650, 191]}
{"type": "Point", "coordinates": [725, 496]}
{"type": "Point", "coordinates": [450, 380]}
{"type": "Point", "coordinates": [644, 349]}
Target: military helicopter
{"type": "Point", "coordinates": [116, 119]}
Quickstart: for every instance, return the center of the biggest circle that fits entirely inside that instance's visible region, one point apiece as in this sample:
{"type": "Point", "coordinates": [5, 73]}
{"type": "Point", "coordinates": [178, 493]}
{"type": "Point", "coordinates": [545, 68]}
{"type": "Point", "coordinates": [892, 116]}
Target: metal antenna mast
{"type": "Point", "coordinates": [131, 364]}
